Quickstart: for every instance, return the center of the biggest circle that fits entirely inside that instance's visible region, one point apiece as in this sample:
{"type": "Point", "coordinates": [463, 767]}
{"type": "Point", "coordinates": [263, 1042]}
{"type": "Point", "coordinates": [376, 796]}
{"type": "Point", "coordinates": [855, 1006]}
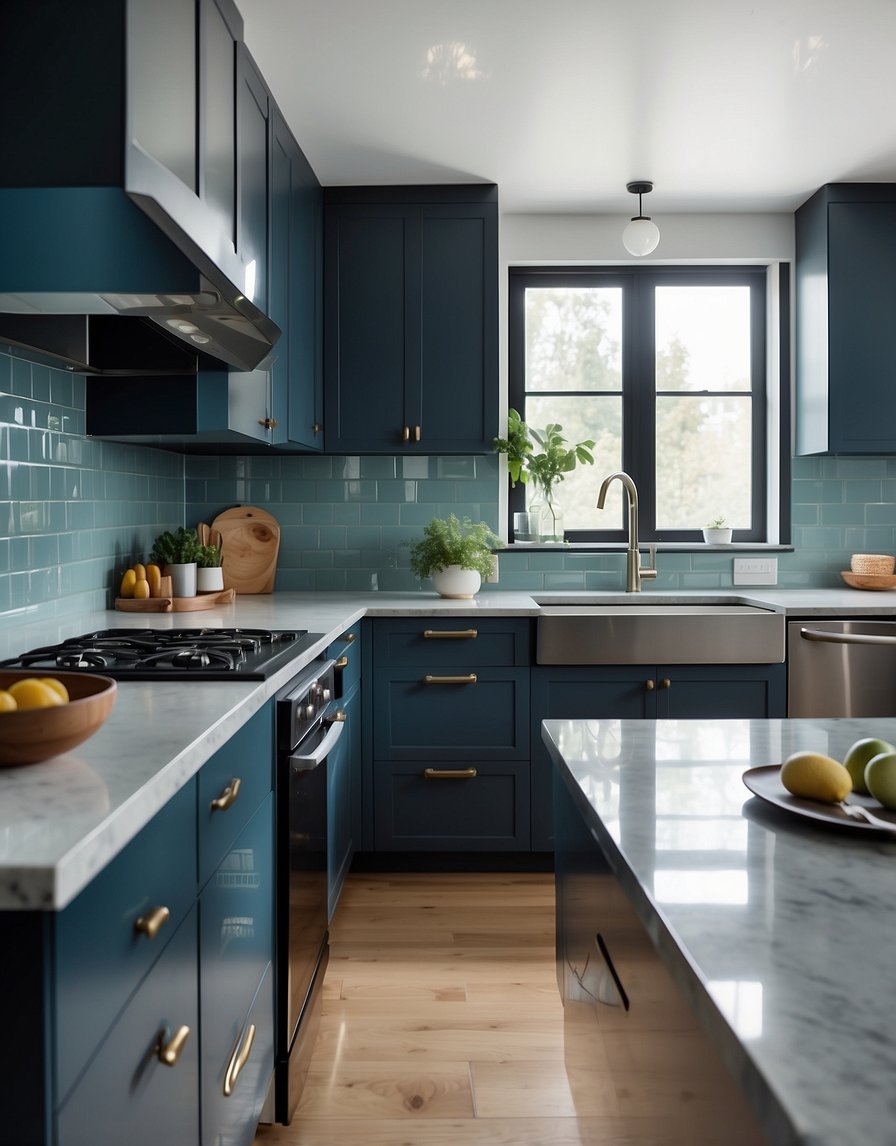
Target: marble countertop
{"type": "Point", "coordinates": [61, 821]}
{"type": "Point", "coordinates": [779, 930]}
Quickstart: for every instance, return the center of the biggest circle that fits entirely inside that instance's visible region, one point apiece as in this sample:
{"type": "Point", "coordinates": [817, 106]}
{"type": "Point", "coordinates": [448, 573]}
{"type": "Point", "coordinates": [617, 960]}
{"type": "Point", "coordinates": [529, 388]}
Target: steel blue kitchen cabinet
{"type": "Point", "coordinates": [344, 767]}
{"type": "Point", "coordinates": [845, 273]}
{"type": "Point", "coordinates": [447, 763]}
{"type": "Point", "coordinates": [411, 319]}
{"type": "Point", "coordinates": [165, 953]}
{"type": "Point", "coordinates": [641, 692]}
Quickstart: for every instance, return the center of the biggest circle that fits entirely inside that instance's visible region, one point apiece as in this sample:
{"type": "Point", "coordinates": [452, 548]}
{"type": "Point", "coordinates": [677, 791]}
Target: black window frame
{"type": "Point", "coordinates": [638, 382]}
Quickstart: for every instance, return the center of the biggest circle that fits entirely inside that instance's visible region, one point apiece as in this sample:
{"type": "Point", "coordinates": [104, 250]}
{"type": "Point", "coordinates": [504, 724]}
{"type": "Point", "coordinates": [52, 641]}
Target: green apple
{"type": "Point", "coordinates": [880, 778]}
{"type": "Point", "coordinates": [858, 756]}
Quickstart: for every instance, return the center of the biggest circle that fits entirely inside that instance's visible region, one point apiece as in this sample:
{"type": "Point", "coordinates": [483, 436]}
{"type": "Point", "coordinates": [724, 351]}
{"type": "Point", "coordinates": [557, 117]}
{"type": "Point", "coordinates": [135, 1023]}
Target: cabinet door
{"type": "Point", "coordinates": [252, 179]}
{"type": "Point", "coordinates": [127, 1094]}
{"type": "Point", "coordinates": [695, 692]}
{"type": "Point", "coordinates": [458, 343]}
{"type": "Point", "coordinates": [219, 33]}
{"type": "Point", "coordinates": [236, 940]}
{"type": "Point", "coordinates": [366, 324]}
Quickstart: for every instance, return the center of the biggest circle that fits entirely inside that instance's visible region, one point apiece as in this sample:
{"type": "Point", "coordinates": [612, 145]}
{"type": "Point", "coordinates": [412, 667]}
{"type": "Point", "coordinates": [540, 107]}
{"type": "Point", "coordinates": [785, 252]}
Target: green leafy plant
{"type": "Point", "coordinates": [720, 522]}
{"type": "Point", "coordinates": [180, 548]}
{"type": "Point", "coordinates": [450, 541]}
{"type": "Point", "coordinates": [546, 466]}
{"type": "Point", "coordinates": [208, 556]}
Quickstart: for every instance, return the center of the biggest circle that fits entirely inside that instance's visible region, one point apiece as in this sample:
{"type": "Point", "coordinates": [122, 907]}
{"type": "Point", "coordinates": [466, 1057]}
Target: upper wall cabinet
{"type": "Point", "coordinates": [845, 301]}
{"type": "Point", "coordinates": [411, 319]}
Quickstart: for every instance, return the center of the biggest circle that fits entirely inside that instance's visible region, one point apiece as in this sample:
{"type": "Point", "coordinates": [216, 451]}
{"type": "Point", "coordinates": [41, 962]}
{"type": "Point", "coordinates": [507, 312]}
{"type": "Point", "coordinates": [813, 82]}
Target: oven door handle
{"type": "Point", "coordinates": [299, 762]}
{"type": "Point", "coordinates": [845, 638]}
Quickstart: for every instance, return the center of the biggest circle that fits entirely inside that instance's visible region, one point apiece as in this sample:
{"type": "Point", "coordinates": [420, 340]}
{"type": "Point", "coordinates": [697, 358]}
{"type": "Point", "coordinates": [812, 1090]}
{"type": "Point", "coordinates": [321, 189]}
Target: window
{"type": "Point", "coordinates": [665, 368]}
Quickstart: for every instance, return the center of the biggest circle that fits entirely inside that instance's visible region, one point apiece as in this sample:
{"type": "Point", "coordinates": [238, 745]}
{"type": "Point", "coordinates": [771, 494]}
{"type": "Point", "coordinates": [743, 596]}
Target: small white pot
{"type": "Point", "coordinates": [183, 579]}
{"type": "Point", "coordinates": [717, 536]}
{"type": "Point", "coordinates": [456, 582]}
{"type": "Point", "coordinates": [210, 580]}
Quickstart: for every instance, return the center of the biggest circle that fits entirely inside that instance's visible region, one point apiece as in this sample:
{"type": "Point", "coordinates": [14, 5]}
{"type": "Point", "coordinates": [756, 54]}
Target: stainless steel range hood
{"type": "Point", "coordinates": [75, 262]}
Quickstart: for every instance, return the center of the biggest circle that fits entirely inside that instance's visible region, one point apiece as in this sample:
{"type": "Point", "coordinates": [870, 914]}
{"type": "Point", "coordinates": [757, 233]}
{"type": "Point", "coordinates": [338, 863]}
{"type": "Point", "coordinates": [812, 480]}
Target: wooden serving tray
{"type": "Point", "coordinates": [175, 604]}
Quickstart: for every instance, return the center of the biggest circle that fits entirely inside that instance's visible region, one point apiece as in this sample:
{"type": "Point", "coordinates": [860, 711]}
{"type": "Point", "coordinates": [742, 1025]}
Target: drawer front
{"type": "Point", "coordinates": [346, 652]}
{"type": "Point", "coordinates": [101, 952]}
{"type": "Point", "coordinates": [127, 1095]}
{"type": "Point", "coordinates": [481, 714]}
{"type": "Point", "coordinates": [451, 642]}
{"type": "Point", "coordinates": [488, 811]}
{"type": "Point", "coordinates": [248, 757]}
{"type": "Point", "coordinates": [236, 1074]}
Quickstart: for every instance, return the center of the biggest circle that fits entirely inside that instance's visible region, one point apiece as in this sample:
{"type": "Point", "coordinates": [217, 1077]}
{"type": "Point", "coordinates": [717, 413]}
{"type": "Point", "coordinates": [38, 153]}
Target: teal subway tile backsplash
{"type": "Point", "coordinates": [75, 511]}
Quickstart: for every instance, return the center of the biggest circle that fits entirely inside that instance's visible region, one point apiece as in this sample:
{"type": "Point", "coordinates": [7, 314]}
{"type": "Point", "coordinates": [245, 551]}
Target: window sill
{"type": "Point", "coordinates": [661, 547]}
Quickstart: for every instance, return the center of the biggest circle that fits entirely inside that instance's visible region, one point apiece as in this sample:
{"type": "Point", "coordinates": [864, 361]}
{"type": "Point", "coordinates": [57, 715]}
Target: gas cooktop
{"type": "Point", "coordinates": [171, 654]}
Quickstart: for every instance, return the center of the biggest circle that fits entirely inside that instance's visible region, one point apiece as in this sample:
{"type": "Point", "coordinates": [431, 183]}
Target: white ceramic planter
{"type": "Point", "coordinates": [717, 536]}
{"type": "Point", "coordinates": [457, 583]}
{"type": "Point", "coordinates": [210, 580]}
{"type": "Point", "coordinates": [183, 579]}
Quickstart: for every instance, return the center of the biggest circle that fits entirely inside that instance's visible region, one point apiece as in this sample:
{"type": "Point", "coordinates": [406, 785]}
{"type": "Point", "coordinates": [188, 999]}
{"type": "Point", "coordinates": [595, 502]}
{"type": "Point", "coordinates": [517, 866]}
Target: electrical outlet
{"type": "Point", "coordinates": [755, 571]}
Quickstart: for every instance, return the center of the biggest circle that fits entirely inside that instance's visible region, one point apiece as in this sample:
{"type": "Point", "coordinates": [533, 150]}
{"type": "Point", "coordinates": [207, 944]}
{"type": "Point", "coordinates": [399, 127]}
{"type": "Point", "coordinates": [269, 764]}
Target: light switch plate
{"type": "Point", "coordinates": [755, 571]}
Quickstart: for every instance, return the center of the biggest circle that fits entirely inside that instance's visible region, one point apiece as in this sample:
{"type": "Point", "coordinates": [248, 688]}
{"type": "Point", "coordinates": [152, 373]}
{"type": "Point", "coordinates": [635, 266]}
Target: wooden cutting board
{"type": "Point", "coordinates": [250, 542]}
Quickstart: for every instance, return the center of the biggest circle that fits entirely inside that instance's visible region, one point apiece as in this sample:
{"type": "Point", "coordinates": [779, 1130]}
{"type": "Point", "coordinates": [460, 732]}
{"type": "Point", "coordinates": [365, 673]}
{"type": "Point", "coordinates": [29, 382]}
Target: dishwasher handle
{"type": "Point", "coordinates": [845, 638]}
{"type": "Point", "coordinates": [301, 762]}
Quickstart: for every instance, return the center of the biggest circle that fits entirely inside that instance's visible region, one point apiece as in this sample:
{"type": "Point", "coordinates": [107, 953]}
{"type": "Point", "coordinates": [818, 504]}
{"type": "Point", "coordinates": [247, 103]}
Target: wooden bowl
{"type": "Point", "coordinates": [30, 735]}
{"type": "Point", "coordinates": [868, 581]}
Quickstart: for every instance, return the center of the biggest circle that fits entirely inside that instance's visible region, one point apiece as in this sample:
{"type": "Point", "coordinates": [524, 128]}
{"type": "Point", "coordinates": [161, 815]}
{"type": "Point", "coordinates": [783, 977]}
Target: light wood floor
{"type": "Point", "coordinates": [443, 1025]}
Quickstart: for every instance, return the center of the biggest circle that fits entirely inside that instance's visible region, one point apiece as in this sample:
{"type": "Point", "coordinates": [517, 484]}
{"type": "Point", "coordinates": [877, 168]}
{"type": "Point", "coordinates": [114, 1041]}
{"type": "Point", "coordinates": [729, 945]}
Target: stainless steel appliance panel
{"type": "Point", "coordinates": [841, 668]}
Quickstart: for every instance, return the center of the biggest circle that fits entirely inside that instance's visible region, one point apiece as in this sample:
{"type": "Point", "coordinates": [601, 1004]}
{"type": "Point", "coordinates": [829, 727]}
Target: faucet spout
{"type": "Point", "coordinates": [635, 572]}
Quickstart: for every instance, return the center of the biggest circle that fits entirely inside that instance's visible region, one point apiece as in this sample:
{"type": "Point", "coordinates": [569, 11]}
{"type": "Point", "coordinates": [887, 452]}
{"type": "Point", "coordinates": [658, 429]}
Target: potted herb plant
{"type": "Point", "coordinates": [544, 467]}
{"type": "Point", "coordinates": [209, 574]}
{"type": "Point", "coordinates": [456, 554]}
{"type": "Point", "coordinates": [717, 531]}
{"type": "Point", "coordinates": [177, 554]}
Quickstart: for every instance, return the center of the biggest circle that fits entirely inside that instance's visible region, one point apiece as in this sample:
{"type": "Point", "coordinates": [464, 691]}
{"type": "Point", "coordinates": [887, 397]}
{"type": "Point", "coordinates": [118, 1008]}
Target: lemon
{"type": "Point", "coordinates": [7, 701]}
{"type": "Point", "coordinates": [57, 686]}
{"type": "Point", "coordinates": [141, 588]}
{"type": "Point", "coordinates": [29, 692]}
{"type": "Point", "coordinates": [127, 583]}
{"type": "Point", "coordinates": [816, 777]}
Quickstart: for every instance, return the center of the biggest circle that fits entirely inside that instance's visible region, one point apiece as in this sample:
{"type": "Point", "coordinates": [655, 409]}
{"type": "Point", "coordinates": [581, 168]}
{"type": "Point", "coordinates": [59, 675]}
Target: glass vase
{"type": "Point", "coordinates": [550, 517]}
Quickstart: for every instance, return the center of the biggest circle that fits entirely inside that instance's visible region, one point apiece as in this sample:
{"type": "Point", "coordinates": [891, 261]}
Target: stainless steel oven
{"type": "Point", "coordinates": [309, 724]}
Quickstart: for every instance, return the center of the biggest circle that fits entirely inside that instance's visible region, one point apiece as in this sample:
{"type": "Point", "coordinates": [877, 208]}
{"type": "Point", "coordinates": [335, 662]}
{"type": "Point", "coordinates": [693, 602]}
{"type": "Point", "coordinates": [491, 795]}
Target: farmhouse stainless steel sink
{"type": "Point", "coordinates": [658, 633]}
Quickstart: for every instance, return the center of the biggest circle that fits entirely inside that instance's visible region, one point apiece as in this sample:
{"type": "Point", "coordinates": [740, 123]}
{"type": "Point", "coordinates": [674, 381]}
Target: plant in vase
{"type": "Point", "coordinates": [717, 531]}
{"type": "Point", "coordinates": [544, 467]}
{"type": "Point", "coordinates": [209, 574]}
{"type": "Point", "coordinates": [456, 554]}
{"type": "Point", "coordinates": [177, 555]}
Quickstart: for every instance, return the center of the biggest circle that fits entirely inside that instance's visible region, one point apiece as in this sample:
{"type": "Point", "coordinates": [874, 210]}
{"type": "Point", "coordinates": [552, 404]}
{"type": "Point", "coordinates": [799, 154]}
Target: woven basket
{"type": "Point", "coordinates": [872, 564]}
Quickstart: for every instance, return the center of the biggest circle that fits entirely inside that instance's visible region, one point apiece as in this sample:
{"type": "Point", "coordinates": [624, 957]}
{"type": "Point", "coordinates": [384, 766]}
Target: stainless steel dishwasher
{"type": "Point", "coordinates": [841, 668]}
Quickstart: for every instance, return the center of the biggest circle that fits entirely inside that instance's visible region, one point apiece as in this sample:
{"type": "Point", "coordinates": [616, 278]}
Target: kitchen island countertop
{"type": "Point", "coordinates": [778, 930]}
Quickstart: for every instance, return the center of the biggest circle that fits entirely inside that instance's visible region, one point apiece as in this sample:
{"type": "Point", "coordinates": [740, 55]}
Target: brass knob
{"type": "Point", "coordinates": [649, 685]}
{"type": "Point", "coordinates": [268, 423]}
{"type": "Point", "coordinates": [349, 638]}
{"type": "Point", "coordinates": [406, 434]}
{"type": "Point", "coordinates": [151, 923]}
{"type": "Point", "coordinates": [417, 434]}
{"type": "Point", "coordinates": [228, 796]}
{"type": "Point", "coordinates": [338, 717]}
{"type": "Point", "coordinates": [341, 663]}
{"type": "Point", "coordinates": [317, 428]}
{"type": "Point", "coordinates": [665, 683]}
{"type": "Point", "coordinates": [170, 1051]}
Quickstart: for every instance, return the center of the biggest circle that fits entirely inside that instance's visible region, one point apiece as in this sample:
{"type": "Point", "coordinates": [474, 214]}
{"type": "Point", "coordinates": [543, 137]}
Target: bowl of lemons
{"type": "Point", "coordinates": [44, 716]}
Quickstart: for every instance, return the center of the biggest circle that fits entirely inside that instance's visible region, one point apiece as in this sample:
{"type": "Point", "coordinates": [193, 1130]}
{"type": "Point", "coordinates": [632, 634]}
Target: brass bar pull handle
{"type": "Point", "coordinates": [151, 923]}
{"type": "Point", "coordinates": [649, 685]}
{"type": "Point", "coordinates": [406, 434]}
{"type": "Point", "coordinates": [665, 683]}
{"type": "Point", "coordinates": [449, 773]}
{"type": "Point", "coordinates": [240, 1057]}
{"type": "Point", "coordinates": [170, 1051]}
{"type": "Point", "coordinates": [450, 634]}
{"type": "Point", "coordinates": [470, 678]}
{"type": "Point", "coordinates": [341, 663]}
{"type": "Point", "coordinates": [417, 434]}
{"type": "Point", "coordinates": [227, 797]}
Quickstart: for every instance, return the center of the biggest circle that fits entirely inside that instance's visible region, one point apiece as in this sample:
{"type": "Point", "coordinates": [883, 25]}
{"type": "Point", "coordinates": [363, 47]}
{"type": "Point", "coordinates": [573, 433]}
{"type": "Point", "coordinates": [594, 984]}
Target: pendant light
{"type": "Point", "coordinates": [641, 235]}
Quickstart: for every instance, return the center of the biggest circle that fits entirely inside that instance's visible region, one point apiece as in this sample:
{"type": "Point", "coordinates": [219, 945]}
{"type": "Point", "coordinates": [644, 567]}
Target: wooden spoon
{"type": "Point", "coordinates": [202, 532]}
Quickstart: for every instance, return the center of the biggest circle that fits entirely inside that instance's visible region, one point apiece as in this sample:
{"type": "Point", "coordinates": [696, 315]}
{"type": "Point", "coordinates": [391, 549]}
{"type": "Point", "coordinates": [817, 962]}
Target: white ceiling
{"type": "Point", "coordinates": [727, 105]}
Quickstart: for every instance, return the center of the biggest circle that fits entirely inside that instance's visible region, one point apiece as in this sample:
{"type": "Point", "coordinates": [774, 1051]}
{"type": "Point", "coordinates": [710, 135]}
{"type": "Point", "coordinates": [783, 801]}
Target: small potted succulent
{"type": "Point", "coordinates": [177, 555]}
{"type": "Point", "coordinates": [717, 531]}
{"type": "Point", "coordinates": [456, 554]}
{"type": "Point", "coordinates": [209, 574]}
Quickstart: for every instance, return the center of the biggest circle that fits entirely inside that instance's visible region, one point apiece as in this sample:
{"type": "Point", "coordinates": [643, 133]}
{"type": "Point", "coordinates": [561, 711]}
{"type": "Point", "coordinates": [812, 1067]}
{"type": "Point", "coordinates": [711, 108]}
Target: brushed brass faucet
{"type": "Point", "coordinates": [635, 571]}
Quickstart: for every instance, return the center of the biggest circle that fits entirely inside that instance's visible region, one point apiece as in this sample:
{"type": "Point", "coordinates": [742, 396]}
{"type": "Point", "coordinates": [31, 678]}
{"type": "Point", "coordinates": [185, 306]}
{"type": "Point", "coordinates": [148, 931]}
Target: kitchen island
{"type": "Point", "coordinates": [777, 930]}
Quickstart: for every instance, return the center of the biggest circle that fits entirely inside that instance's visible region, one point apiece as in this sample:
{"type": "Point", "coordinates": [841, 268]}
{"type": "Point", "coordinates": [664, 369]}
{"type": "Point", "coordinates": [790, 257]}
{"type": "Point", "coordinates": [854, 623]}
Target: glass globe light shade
{"type": "Point", "coordinates": [641, 236]}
